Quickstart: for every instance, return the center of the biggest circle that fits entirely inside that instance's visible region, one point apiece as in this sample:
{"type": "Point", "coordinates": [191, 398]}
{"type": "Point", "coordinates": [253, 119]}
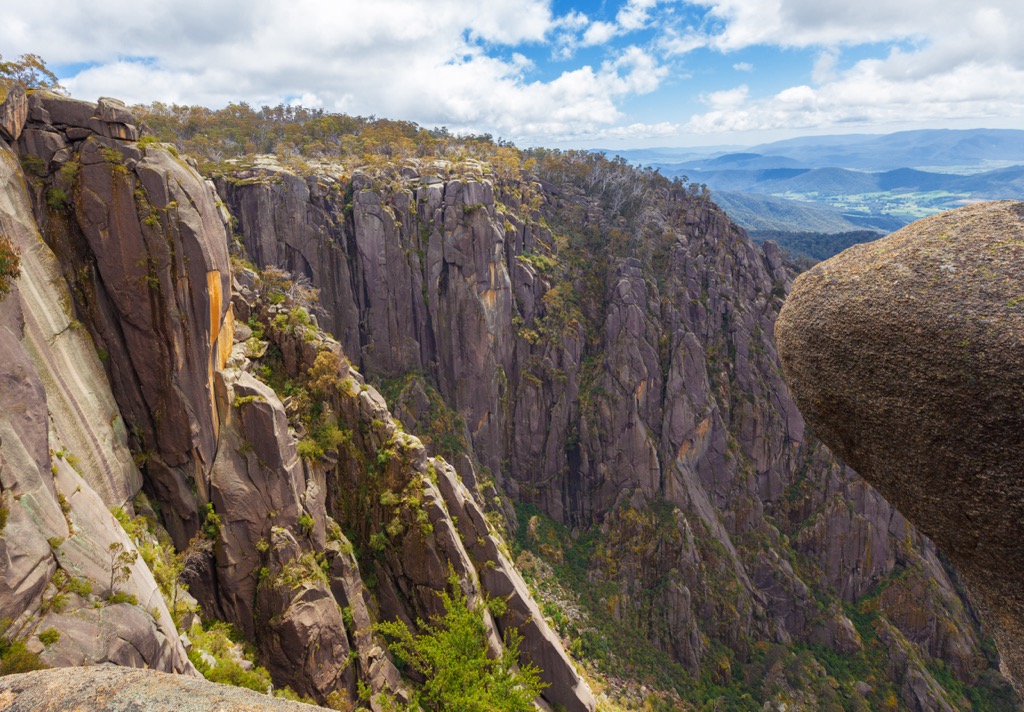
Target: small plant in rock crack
{"type": "Point", "coordinates": [121, 562]}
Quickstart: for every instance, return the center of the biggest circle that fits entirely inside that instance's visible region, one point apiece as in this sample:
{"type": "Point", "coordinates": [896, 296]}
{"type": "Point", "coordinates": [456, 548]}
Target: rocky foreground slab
{"type": "Point", "coordinates": [111, 688]}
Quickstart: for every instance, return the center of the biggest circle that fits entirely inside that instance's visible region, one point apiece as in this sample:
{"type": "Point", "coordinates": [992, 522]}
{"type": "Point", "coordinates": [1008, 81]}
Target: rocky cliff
{"type": "Point", "coordinates": [123, 338]}
{"type": "Point", "coordinates": [599, 343]}
{"type": "Point", "coordinates": [592, 433]}
{"type": "Point", "coordinates": [65, 462]}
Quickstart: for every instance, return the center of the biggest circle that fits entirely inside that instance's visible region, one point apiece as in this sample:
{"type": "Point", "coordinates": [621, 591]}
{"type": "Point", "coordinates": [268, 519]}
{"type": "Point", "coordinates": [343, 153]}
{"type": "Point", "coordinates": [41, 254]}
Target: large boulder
{"type": "Point", "coordinates": [906, 356]}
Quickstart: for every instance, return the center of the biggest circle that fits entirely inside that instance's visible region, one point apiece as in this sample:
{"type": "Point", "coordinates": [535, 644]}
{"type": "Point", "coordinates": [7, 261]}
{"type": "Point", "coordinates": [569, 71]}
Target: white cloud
{"type": "Point", "coordinates": [674, 42]}
{"type": "Point", "coordinates": [467, 64]}
{"type": "Point", "coordinates": [727, 99]}
{"type": "Point", "coordinates": [599, 33]}
{"type": "Point", "coordinates": [947, 61]}
{"type": "Point", "coordinates": [806, 23]}
{"type": "Point", "coordinates": [825, 67]}
{"type": "Point", "coordinates": [873, 95]}
{"type": "Point", "coordinates": [635, 14]}
{"type": "Point", "coordinates": [574, 20]}
{"type": "Point", "coordinates": [451, 62]}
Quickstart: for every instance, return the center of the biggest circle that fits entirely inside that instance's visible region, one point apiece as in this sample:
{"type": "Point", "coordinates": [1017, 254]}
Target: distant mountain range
{"type": "Point", "coordinates": [831, 182]}
{"type": "Point", "coordinates": [923, 149]}
{"type": "Point", "coordinates": [837, 184]}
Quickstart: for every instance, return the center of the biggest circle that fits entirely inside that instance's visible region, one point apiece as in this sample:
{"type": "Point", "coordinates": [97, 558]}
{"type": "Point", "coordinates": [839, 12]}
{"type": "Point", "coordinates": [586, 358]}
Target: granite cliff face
{"type": "Point", "coordinates": [607, 350]}
{"type": "Point", "coordinates": [65, 462]}
{"type": "Point", "coordinates": [122, 332]}
{"type": "Point", "coordinates": [589, 347]}
{"type": "Point", "coordinates": [905, 356]}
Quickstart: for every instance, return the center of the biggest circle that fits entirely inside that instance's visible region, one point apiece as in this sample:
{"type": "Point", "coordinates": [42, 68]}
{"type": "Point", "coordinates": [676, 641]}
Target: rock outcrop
{"type": "Point", "coordinates": [13, 109]}
{"type": "Point", "coordinates": [144, 250]}
{"type": "Point", "coordinates": [109, 688]}
{"type": "Point", "coordinates": [64, 463]}
{"type": "Point", "coordinates": [905, 357]}
{"type": "Point", "coordinates": [380, 486]}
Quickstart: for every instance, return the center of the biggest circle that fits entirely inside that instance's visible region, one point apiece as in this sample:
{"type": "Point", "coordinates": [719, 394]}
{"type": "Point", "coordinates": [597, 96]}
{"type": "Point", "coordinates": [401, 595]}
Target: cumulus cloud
{"type": "Point", "coordinates": [988, 26]}
{"type": "Point", "coordinates": [872, 95]}
{"type": "Point", "coordinates": [947, 61]}
{"type": "Point", "coordinates": [466, 64]}
{"type": "Point", "coordinates": [825, 67]}
{"type": "Point", "coordinates": [635, 14]}
{"type": "Point", "coordinates": [727, 99]}
{"type": "Point", "coordinates": [598, 33]}
{"type": "Point", "coordinates": [449, 62]}
{"type": "Point", "coordinates": [675, 42]}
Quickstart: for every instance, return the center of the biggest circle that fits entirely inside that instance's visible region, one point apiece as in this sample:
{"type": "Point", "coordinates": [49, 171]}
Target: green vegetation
{"type": "Point", "coordinates": [585, 584]}
{"type": "Point", "coordinates": [56, 198]}
{"type": "Point", "coordinates": [450, 652]}
{"type": "Point", "coordinates": [210, 527]}
{"type": "Point", "coordinates": [30, 70]}
{"type": "Point", "coordinates": [297, 134]}
{"type": "Point", "coordinates": [324, 433]}
{"type": "Point", "coordinates": [228, 648]}
{"type": "Point", "coordinates": [307, 569]}
{"type": "Point", "coordinates": [10, 265]}
{"type": "Point", "coordinates": [14, 656]}
{"type": "Point", "coordinates": [905, 205]}
{"type": "Point", "coordinates": [309, 394]}
{"type": "Point", "coordinates": [558, 566]}
{"type": "Point", "coordinates": [441, 428]}
{"type": "Point", "coordinates": [815, 245]}
{"type": "Point", "coordinates": [121, 561]}
{"type": "Point", "coordinates": [170, 568]}
{"type": "Point", "coordinates": [64, 585]}
{"type": "Point", "coordinates": [49, 636]}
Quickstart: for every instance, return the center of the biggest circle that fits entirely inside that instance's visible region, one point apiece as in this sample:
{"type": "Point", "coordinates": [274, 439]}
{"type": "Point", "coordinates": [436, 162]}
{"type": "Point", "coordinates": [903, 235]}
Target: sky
{"type": "Point", "coordinates": [558, 73]}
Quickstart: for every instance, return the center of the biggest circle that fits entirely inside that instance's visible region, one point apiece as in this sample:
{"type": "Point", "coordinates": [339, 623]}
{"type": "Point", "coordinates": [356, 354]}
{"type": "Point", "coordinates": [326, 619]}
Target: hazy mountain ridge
{"type": "Point", "coordinates": [765, 212]}
{"type": "Point", "coordinates": [864, 152]}
{"type": "Point", "coordinates": [875, 181]}
{"type": "Point", "coordinates": [832, 182]}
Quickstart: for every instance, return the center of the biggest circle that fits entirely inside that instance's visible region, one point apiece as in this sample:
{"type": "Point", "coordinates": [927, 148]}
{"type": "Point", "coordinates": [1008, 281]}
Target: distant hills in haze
{"type": "Point", "coordinates": [947, 149]}
{"type": "Point", "coordinates": [928, 148]}
{"type": "Point", "coordinates": [846, 183]}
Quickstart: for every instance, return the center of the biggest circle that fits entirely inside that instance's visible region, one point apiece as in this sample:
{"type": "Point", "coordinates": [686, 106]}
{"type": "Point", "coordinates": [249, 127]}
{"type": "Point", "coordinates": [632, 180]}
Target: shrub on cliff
{"type": "Point", "coordinates": [451, 653]}
{"type": "Point", "coordinates": [10, 264]}
{"type": "Point", "coordinates": [14, 656]}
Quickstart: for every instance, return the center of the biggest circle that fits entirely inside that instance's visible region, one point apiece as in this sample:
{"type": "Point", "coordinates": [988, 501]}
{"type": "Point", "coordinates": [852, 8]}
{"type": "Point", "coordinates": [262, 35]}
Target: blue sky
{"type": "Point", "coordinates": [612, 73]}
